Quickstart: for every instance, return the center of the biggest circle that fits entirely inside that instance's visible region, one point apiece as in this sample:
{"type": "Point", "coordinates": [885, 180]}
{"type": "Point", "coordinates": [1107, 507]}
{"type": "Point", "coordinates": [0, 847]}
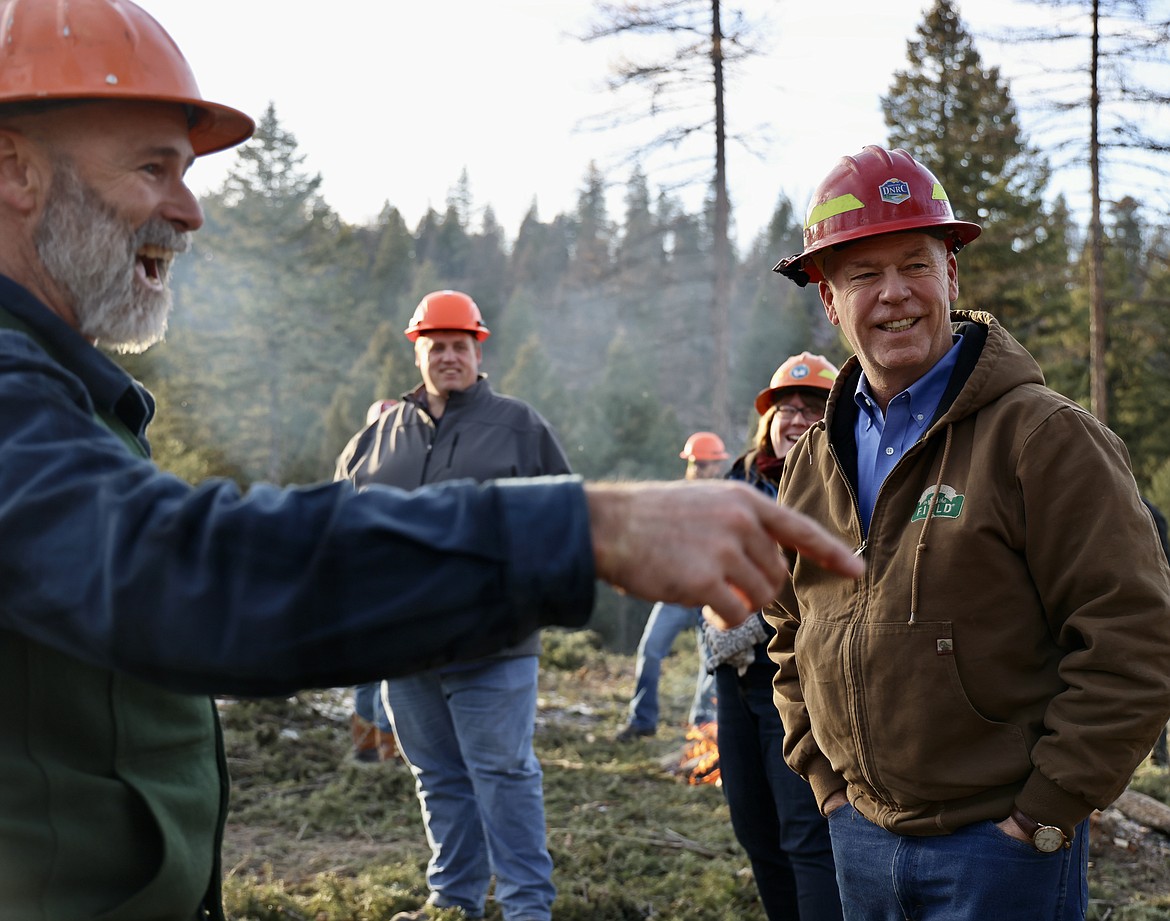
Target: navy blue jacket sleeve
{"type": "Point", "coordinates": [210, 589]}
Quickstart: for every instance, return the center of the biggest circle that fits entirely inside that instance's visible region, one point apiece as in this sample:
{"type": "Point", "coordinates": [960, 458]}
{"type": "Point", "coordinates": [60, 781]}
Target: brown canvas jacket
{"type": "Point", "coordinates": [1009, 642]}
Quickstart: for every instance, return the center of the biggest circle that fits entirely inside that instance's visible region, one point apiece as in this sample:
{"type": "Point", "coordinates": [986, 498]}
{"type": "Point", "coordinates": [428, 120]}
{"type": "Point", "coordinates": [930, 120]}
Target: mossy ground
{"type": "Point", "coordinates": [314, 836]}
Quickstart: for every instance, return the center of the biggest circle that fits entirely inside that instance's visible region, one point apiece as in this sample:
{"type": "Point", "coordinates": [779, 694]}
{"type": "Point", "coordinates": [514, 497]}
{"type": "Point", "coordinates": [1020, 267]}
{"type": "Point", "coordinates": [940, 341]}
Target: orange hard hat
{"type": "Point", "coordinates": [877, 191]}
{"type": "Point", "coordinates": [447, 310]}
{"type": "Point", "coordinates": [704, 446]}
{"type": "Point", "coordinates": [800, 372]}
{"type": "Point", "coordinates": [105, 49]}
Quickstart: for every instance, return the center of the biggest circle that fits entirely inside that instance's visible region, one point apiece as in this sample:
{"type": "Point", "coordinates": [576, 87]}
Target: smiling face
{"type": "Point", "coordinates": [448, 359]}
{"type": "Point", "coordinates": [891, 296]}
{"type": "Point", "coordinates": [792, 415]}
{"type": "Point", "coordinates": [115, 212]}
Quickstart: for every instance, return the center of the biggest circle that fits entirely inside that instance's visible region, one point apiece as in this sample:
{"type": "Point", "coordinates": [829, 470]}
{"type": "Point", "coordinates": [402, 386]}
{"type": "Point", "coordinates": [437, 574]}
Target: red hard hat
{"type": "Point", "coordinates": [800, 372]}
{"type": "Point", "coordinates": [704, 446]}
{"type": "Point", "coordinates": [105, 49]}
{"type": "Point", "coordinates": [877, 191]}
{"type": "Point", "coordinates": [447, 310]}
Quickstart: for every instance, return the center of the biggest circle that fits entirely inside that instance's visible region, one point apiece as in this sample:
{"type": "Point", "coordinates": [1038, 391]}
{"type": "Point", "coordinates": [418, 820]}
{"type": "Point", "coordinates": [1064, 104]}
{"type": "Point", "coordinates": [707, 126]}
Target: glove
{"type": "Point", "coordinates": [736, 646]}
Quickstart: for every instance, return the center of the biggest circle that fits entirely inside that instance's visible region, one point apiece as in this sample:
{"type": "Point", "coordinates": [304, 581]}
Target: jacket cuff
{"type": "Point", "coordinates": [824, 781]}
{"type": "Point", "coordinates": [1048, 804]}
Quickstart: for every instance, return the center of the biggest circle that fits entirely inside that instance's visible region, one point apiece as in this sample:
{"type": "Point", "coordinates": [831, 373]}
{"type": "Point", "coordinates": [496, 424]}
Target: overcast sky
{"type": "Point", "coordinates": [391, 100]}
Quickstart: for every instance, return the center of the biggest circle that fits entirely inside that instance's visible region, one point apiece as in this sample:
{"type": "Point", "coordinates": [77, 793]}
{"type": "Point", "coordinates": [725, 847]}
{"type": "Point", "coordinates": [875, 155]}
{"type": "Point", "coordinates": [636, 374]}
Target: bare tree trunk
{"type": "Point", "coordinates": [1098, 339]}
{"type": "Point", "coordinates": [721, 306]}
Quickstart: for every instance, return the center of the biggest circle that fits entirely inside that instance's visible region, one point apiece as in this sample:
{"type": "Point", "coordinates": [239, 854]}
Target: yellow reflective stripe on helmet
{"type": "Point", "coordinates": [832, 208]}
{"type": "Point", "coordinates": [938, 193]}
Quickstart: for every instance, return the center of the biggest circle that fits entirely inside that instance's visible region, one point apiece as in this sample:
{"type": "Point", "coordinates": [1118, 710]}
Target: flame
{"type": "Point", "coordinates": [700, 759]}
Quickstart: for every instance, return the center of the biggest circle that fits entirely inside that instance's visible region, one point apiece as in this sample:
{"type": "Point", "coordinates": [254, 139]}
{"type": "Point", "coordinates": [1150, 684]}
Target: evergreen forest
{"type": "Point", "coordinates": [288, 321]}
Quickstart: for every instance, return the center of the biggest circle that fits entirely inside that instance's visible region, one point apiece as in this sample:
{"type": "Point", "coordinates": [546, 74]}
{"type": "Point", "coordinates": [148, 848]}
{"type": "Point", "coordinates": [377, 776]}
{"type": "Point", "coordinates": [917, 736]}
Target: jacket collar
{"type": "Point", "coordinates": [841, 411]}
{"type": "Point", "coordinates": [457, 399]}
{"type": "Point", "coordinates": [112, 390]}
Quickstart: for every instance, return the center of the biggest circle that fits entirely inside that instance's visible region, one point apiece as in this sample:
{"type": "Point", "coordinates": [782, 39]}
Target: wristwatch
{"type": "Point", "coordinates": [1047, 839]}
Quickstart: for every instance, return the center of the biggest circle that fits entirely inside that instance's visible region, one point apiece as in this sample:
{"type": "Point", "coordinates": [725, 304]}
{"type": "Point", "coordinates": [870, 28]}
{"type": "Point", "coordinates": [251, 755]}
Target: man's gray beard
{"type": "Point", "coordinates": [91, 254]}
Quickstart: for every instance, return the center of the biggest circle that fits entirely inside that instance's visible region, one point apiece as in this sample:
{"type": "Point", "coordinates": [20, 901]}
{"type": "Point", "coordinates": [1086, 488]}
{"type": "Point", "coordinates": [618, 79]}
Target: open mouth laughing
{"type": "Point", "coordinates": [153, 265]}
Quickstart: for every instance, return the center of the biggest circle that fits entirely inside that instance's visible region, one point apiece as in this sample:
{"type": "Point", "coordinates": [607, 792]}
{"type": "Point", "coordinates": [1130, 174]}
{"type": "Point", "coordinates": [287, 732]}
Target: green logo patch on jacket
{"type": "Point", "coordinates": [949, 505]}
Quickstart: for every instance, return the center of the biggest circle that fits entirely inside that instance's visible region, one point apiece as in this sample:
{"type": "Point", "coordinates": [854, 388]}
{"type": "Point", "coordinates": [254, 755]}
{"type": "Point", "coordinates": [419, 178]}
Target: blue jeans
{"type": "Point", "coordinates": [788, 845]}
{"type": "Point", "coordinates": [976, 874]}
{"type": "Point", "coordinates": [466, 733]}
{"type": "Point", "coordinates": [665, 623]}
{"type": "Point", "coordinates": [367, 703]}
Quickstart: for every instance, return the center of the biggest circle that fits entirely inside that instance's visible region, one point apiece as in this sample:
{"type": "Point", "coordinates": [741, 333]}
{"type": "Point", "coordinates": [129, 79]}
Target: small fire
{"type": "Point", "coordinates": [700, 759]}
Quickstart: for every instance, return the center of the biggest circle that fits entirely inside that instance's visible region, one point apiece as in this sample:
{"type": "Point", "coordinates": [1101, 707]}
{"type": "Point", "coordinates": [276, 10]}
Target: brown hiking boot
{"type": "Point", "coordinates": [365, 740]}
{"type": "Point", "coordinates": [387, 746]}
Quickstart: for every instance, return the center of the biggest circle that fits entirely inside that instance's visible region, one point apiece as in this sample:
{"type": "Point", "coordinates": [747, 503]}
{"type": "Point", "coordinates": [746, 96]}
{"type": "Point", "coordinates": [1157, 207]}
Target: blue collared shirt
{"type": "Point", "coordinates": [883, 439]}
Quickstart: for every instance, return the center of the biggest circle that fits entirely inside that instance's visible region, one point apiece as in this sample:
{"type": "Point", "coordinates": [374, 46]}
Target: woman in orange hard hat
{"type": "Point", "coordinates": [773, 811]}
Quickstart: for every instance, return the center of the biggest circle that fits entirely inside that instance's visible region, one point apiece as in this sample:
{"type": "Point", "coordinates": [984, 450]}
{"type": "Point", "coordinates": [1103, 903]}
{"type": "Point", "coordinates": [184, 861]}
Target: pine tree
{"type": "Point", "coordinates": [698, 42]}
{"type": "Point", "coordinates": [958, 118]}
{"type": "Point", "coordinates": [635, 436]}
{"type": "Point", "coordinates": [1108, 110]}
{"type": "Point", "coordinates": [578, 310]}
{"type": "Point", "coordinates": [593, 233]}
{"type": "Point", "coordinates": [684, 337]}
{"type": "Point", "coordinates": [1058, 333]}
{"type": "Point", "coordinates": [1137, 283]}
{"type": "Point", "coordinates": [450, 249]}
{"type": "Point", "coordinates": [180, 440]}
{"type": "Point", "coordinates": [540, 256]}
{"type": "Point", "coordinates": [640, 258]}
{"type": "Point", "coordinates": [532, 378]}
{"type": "Point", "coordinates": [258, 344]}
{"type": "Point", "coordinates": [488, 269]}
{"type": "Point", "coordinates": [783, 319]}
{"type": "Point", "coordinates": [392, 262]}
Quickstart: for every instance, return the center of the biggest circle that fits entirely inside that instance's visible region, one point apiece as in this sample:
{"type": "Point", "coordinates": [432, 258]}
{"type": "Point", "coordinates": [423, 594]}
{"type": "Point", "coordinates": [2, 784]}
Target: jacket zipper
{"type": "Point", "coordinates": [425, 413]}
{"type": "Point", "coordinates": [863, 542]}
{"type": "Point", "coordinates": [851, 644]}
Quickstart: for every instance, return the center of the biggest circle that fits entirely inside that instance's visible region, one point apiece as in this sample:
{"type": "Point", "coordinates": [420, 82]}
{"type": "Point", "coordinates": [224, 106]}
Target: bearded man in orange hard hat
{"type": "Point", "coordinates": [1001, 670]}
{"type": "Point", "coordinates": [128, 596]}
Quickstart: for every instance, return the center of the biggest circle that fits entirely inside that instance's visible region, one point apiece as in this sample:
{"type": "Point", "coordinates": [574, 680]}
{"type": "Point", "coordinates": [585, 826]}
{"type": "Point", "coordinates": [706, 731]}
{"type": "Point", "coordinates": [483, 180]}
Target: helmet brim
{"type": "Point", "coordinates": [803, 270]}
{"type": "Point", "coordinates": [219, 128]}
{"type": "Point", "coordinates": [213, 127]}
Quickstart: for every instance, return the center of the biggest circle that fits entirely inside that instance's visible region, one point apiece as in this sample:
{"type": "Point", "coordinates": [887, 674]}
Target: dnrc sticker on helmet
{"type": "Point", "coordinates": [949, 504]}
{"type": "Point", "coordinates": [798, 372]}
{"type": "Point", "coordinates": [894, 191]}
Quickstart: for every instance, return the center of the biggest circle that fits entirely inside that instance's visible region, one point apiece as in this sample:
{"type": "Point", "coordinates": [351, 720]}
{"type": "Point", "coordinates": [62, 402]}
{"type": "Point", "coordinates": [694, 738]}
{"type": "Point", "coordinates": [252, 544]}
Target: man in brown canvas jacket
{"type": "Point", "coordinates": [1001, 668]}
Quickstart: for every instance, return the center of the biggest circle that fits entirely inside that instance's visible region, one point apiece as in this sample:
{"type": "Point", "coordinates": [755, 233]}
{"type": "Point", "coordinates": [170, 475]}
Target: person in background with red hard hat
{"type": "Point", "coordinates": [788, 844]}
{"type": "Point", "coordinates": [466, 729]}
{"type": "Point", "coordinates": [706, 458]}
{"type": "Point", "coordinates": [128, 596]}
{"type": "Point", "coordinates": [1001, 669]}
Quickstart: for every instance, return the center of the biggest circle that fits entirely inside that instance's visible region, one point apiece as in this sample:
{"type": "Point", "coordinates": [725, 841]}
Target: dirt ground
{"type": "Point", "coordinates": [293, 754]}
